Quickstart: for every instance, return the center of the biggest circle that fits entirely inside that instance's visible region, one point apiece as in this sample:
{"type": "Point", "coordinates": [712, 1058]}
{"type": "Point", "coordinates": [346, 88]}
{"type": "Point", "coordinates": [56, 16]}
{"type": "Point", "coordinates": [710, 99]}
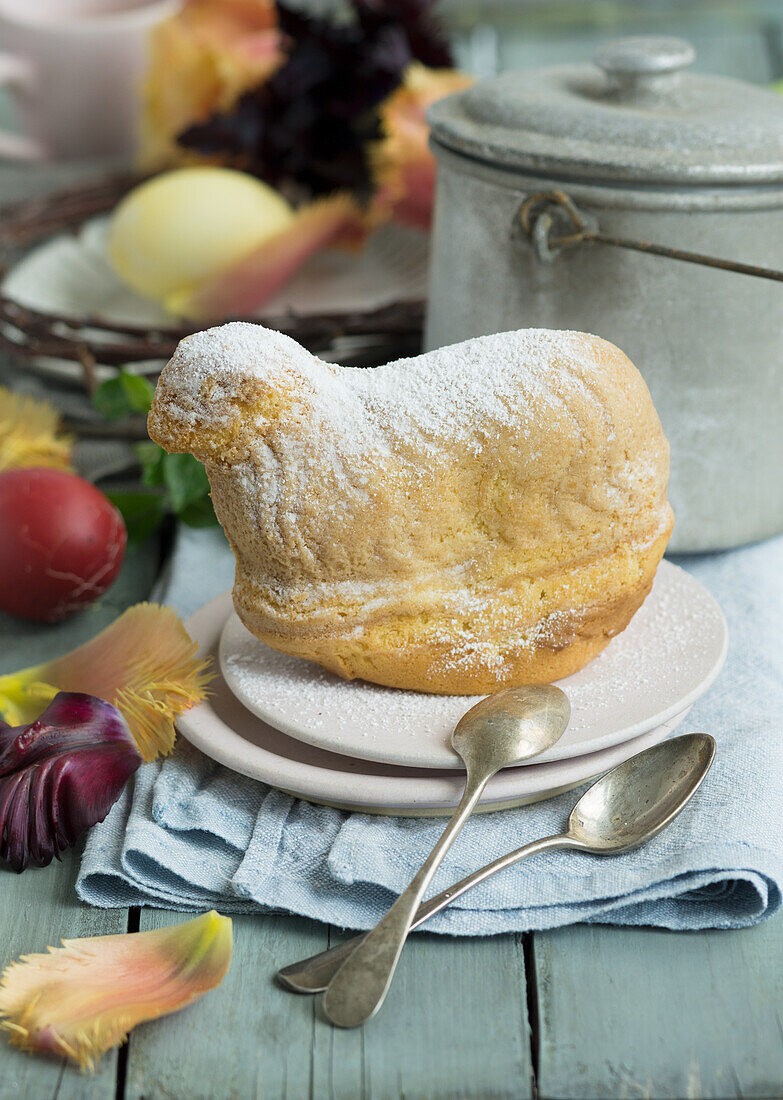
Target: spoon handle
{"type": "Point", "coordinates": [359, 987]}
{"type": "Point", "coordinates": [314, 974]}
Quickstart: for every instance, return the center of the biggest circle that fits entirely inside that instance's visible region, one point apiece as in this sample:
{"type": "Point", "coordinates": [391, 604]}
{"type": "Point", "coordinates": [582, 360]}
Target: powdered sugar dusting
{"type": "Point", "coordinates": [472, 385]}
{"type": "Point", "coordinates": [670, 653]}
{"type": "Point", "coordinates": [468, 386]}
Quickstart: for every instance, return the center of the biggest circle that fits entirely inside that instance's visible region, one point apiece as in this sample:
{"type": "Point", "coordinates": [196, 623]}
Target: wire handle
{"type": "Point", "coordinates": [541, 214]}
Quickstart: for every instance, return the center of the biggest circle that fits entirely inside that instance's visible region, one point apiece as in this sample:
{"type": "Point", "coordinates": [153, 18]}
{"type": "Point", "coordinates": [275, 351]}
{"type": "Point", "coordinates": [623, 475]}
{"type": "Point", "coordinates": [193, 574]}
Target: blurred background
{"type": "Point", "coordinates": [740, 38]}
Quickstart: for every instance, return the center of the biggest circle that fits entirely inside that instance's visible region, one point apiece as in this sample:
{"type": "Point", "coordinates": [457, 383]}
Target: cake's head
{"type": "Point", "coordinates": [484, 515]}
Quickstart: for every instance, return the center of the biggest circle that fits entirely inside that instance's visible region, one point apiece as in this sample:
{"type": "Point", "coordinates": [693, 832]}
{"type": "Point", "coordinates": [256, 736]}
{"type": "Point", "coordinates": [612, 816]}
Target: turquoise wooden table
{"type": "Point", "coordinates": [580, 1013]}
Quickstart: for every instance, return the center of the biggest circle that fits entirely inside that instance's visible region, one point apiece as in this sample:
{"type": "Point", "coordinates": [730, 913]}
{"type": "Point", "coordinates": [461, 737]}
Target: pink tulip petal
{"type": "Point", "coordinates": [84, 997]}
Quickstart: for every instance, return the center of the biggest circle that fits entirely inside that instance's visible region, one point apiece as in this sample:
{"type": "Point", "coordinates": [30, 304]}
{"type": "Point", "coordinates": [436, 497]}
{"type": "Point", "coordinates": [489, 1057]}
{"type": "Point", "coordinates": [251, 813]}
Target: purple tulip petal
{"type": "Point", "coordinates": [60, 775]}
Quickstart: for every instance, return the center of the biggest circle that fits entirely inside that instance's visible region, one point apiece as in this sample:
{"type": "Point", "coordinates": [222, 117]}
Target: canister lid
{"type": "Point", "coordinates": [635, 114]}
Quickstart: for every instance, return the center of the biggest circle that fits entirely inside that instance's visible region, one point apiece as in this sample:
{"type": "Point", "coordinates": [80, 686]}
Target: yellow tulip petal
{"type": "Point", "coordinates": [200, 61]}
{"type": "Point", "coordinates": [30, 433]}
{"type": "Point", "coordinates": [402, 163]}
{"type": "Point", "coordinates": [144, 663]}
{"type": "Point", "coordinates": [83, 998]}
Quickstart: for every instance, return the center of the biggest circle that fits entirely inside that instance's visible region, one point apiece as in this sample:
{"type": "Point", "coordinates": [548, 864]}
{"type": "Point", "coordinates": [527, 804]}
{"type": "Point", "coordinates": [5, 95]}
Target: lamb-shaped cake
{"type": "Point", "coordinates": [485, 515]}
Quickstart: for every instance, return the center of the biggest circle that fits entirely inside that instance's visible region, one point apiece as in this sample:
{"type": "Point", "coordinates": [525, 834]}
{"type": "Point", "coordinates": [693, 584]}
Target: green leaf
{"type": "Point", "coordinates": [199, 514]}
{"type": "Point", "coordinates": [110, 400]}
{"type": "Point", "coordinates": [185, 479]}
{"type": "Point", "coordinates": [124, 395]}
{"type": "Point", "coordinates": [143, 512]}
{"type": "Point", "coordinates": [150, 456]}
{"type": "Point", "coordinates": [180, 480]}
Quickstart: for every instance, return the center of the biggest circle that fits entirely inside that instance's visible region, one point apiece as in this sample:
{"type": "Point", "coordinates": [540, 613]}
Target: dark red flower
{"type": "Point", "coordinates": [60, 775]}
{"type": "Point", "coordinates": [312, 121]}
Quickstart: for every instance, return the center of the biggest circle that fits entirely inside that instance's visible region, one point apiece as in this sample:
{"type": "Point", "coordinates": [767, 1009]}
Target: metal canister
{"type": "Point", "coordinates": [646, 151]}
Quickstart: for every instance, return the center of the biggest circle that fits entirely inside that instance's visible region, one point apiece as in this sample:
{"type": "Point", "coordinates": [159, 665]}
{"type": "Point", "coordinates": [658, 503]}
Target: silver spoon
{"type": "Point", "coordinates": [620, 811]}
{"type": "Point", "coordinates": [504, 729]}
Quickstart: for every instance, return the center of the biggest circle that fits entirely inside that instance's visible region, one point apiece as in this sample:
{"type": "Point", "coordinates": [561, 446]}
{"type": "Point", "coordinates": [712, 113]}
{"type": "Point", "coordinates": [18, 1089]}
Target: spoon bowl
{"type": "Point", "coordinates": [635, 800]}
{"type": "Point", "coordinates": [511, 726]}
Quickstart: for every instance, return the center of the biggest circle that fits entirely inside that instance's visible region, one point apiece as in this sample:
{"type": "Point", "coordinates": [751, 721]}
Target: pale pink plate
{"type": "Point", "coordinates": [227, 732]}
{"type": "Point", "coordinates": [663, 661]}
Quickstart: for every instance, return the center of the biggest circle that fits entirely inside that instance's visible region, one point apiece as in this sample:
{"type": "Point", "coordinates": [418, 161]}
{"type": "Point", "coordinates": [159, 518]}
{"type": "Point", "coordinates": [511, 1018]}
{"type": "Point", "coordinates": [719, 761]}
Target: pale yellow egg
{"type": "Point", "coordinates": [174, 232]}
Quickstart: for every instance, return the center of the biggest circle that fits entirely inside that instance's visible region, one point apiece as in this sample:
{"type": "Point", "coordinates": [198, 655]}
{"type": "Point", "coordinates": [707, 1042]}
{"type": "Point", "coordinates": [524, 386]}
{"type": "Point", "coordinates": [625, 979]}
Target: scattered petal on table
{"type": "Point", "coordinates": [83, 998]}
{"type": "Point", "coordinates": [144, 663]}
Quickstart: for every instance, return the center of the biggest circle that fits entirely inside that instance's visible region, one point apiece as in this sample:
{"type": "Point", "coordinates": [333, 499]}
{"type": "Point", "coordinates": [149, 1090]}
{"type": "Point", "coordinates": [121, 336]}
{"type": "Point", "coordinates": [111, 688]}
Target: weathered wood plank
{"type": "Point", "coordinates": [656, 1015]}
{"type": "Point", "coordinates": [246, 1039]}
{"type": "Point", "coordinates": [38, 909]}
{"type": "Point", "coordinates": [454, 1025]}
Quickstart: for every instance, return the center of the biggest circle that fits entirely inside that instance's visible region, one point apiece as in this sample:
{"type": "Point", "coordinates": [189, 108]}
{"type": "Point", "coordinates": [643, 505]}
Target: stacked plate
{"type": "Point", "coordinates": [363, 747]}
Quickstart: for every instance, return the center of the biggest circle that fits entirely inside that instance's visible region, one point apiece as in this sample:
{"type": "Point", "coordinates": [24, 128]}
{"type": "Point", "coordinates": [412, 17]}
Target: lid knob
{"type": "Point", "coordinates": [644, 64]}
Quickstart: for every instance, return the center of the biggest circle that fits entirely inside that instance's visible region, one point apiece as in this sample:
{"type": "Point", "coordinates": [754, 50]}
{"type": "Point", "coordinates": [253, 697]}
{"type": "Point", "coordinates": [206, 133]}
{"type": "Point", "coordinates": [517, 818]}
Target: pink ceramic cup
{"type": "Point", "coordinates": [75, 67]}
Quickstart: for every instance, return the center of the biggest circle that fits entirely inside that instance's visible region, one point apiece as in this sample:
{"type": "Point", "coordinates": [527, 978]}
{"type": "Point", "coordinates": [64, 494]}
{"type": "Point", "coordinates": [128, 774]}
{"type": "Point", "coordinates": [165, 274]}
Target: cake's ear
{"type": "Point", "coordinates": [222, 387]}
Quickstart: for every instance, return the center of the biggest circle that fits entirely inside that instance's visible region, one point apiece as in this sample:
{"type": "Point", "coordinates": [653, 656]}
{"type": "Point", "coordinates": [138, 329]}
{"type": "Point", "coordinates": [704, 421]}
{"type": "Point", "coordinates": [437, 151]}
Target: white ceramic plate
{"type": "Point", "coordinates": [71, 275]}
{"type": "Point", "coordinates": [663, 661]}
{"type": "Point", "coordinates": [228, 733]}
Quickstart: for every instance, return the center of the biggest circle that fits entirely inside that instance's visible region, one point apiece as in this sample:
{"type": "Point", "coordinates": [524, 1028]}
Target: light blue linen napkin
{"type": "Point", "coordinates": [188, 834]}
